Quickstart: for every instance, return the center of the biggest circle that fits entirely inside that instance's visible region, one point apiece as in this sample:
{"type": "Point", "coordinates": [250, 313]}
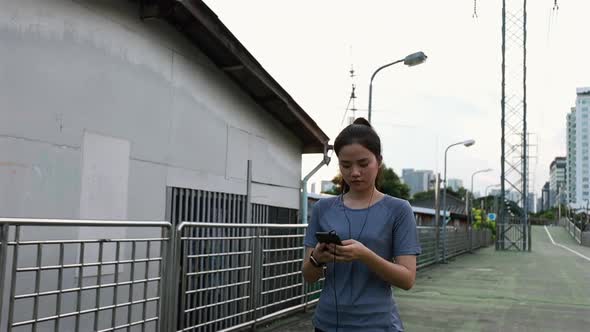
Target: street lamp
{"type": "Point", "coordinates": [468, 205]}
{"type": "Point", "coordinates": [472, 175]}
{"type": "Point", "coordinates": [410, 61]}
{"type": "Point", "coordinates": [466, 143]}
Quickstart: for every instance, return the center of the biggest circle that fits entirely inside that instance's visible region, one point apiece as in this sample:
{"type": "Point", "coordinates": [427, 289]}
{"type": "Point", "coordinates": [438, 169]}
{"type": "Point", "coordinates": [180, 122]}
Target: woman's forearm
{"type": "Point", "coordinates": [395, 274]}
{"type": "Point", "coordinates": [310, 272]}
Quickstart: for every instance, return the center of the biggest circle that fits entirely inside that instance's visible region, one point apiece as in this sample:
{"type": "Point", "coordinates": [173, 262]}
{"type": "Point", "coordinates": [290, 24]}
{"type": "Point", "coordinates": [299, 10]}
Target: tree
{"type": "Point", "coordinates": [337, 188]}
{"type": "Point", "coordinates": [424, 195]}
{"type": "Point", "coordinates": [480, 221]}
{"type": "Point", "coordinates": [391, 184]}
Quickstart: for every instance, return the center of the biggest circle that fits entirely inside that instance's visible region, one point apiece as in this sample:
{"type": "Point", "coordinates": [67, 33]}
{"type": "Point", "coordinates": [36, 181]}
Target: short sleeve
{"type": "Point", "coordinates": [405, 232]}
{"type": "Point", "coordinates": [313, 226]}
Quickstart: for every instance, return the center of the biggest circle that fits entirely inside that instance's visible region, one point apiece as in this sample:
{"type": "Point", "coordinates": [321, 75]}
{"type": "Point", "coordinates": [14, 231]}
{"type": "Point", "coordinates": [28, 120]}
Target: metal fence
{"type": "Point", "coordinates": [60, 275]}
{"type": "Point", "coordinates": [70, 275]}
{"type": "Point", "coordinates": [458, 241]}
{"type": "Point", "coordinates": [513, 236]}
{"type": "Point", "coordinates": [235, 275]}
{"type": "Point", "coordinates": [574, 231]}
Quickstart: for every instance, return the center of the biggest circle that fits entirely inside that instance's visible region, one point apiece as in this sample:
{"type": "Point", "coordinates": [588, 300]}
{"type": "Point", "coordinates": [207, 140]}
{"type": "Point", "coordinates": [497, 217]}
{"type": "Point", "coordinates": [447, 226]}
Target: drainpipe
{"type": "Point", "coordinates": [303, 203]}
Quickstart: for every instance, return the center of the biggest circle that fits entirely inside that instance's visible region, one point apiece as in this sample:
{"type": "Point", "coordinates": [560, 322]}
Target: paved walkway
{"type": "Point", "coordinates": [545, 290]}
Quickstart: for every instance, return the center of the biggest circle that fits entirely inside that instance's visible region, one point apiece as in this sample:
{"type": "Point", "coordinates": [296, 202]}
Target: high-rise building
{"type": "Point", "coordinates": [570, 173]}
{"type": "Point", "coordinates": [532, 201]}
{"type": "Point", "coordinates": [578, 141]}
{"type": "Point", "coordinates": [417, 180]}
{"type": "Point", "coordinates": [545, 197]}
{"type": "Point", "coordinates": [454, 184]}
{"type": "Point", "coordinates": [510, 195]}
{"type": "Point", "coordinates": [557, 181]}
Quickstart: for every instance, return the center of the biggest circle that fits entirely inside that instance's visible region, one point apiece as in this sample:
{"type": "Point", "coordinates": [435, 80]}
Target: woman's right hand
{"type": "Point", "coordinates": [323, 253]}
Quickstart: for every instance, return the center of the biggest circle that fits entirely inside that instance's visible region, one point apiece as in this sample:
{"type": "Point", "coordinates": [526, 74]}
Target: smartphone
{"type": "Point", "coordinates": [328, 237]}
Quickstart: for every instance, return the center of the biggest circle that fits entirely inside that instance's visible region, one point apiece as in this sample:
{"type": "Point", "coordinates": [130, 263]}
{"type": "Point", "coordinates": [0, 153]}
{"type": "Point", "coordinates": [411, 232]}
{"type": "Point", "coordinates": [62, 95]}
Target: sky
{"type": "Point", "coordinates": [309, 47]}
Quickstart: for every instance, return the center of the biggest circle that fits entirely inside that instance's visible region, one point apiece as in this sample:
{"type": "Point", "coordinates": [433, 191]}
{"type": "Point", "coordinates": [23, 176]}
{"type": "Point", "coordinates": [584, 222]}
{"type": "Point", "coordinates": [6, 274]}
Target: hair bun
{"type": "Point", "coordinates": [362, 121]}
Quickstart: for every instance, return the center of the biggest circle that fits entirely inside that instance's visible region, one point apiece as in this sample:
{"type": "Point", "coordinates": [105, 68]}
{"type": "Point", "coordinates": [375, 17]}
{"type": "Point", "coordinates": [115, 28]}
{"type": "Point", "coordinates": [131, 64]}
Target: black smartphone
{"type": "Point", "coordinates": [328, 237]}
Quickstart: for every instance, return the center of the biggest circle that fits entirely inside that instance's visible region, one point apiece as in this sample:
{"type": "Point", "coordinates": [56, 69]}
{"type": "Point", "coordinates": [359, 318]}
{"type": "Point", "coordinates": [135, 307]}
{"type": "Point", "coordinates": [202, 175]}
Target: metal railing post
{"type": "Point", "coordinates": [305, 287]}
{"type": "Point", "coordinates": [169, 287]}
{"type": "Point", "coordinates": [255, 276]}
{"type": "Point", "coordinates": [3, 249]}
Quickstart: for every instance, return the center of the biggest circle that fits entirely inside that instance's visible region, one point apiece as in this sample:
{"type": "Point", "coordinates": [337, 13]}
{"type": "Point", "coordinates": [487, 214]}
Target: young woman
{"type": "Point", "coordinates": [378, 248]}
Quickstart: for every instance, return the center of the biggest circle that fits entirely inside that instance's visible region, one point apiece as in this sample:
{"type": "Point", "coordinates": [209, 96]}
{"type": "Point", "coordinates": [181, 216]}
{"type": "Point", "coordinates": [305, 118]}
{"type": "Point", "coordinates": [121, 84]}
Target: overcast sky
{"type": "Point", "coordinates": [309, 47]}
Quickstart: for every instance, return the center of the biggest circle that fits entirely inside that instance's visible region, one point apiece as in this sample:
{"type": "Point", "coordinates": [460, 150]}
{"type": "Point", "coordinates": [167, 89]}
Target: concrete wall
{"type": "Point", "coordinates": [101, 111]}
{"type": "Point", "coordinates": [586, 239]}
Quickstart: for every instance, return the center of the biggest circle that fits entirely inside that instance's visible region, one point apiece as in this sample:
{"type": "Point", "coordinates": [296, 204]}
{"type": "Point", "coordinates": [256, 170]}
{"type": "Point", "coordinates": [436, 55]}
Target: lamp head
{"type": "Point", "coordinates": [415, 59]}
{"type": "Point", "coordinates": [469, 143]}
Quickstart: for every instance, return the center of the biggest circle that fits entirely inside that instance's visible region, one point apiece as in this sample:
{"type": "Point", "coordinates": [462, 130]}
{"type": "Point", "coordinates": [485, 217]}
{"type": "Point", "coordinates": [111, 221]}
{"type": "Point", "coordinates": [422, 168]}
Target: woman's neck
{"type": "Point", "coordinates": [363, 196]}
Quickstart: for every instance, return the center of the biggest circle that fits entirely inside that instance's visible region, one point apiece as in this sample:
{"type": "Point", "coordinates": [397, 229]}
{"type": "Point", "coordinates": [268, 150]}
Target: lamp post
{"type": "Point", "coordinates": [466, 143]}
{"type": "Point", "coordinates": [410, 60]}
{"type": "Point", "coordinates": [473, 175]}
{"type": "Point", "coordinates": [469, 207]}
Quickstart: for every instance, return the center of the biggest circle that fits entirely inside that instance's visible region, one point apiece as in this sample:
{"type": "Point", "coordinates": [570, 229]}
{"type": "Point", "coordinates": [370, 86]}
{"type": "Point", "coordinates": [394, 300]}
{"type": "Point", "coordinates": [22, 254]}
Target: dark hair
{"type": "Point", "coordinates": [359, 132]}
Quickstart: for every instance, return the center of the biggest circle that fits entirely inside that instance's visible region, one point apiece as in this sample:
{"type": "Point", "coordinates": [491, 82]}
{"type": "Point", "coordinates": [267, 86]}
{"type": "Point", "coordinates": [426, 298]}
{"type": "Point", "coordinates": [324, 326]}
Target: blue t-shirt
{"type": "Point", "coordinates": [365, 301]}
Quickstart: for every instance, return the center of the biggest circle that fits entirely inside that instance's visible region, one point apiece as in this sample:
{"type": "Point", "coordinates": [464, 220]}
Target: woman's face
{"type": "Point", "coordinates": [358, 166]}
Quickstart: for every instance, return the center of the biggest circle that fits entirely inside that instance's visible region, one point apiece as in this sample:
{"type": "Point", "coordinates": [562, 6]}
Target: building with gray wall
{"type": "Point", "coordinates": [103, 111]}
{"type": "Point", "coordinates": [578, 149]}
{"type": "Point", "coordinates": [109, 116]}
{"type": "Point", "coordinates": [570, 173]}
{"type": "Point", "coordinates": [455, 184]}
{"type": "Point", "coordinates": [557, 181]}
{"type": "Point", "coordinates": [545, 194]}
{"type": "Point", "coordinates": [417, 180]}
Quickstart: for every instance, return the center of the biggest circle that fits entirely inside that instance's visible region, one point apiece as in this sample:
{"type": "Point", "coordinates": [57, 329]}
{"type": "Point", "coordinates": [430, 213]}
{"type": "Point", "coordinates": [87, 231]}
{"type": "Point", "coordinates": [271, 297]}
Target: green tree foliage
{"type": "Point", "coordinates": [430, 194]}
{"type": "Point", "coordinates": [480, 221]}
{"type": "Point", "coordinates": [391, 184]}
{"type": "Point", "coordinates": [337, 188]}
{"type": "Point", "coordinates": [424, 195]}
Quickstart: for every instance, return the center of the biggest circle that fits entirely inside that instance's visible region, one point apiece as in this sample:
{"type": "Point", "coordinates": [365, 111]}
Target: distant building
{"type": "Point", "coordinates": [539, 206]}
{"type": "Point", "coordinates": [531, 203]}
{"type": "Point", "coordinates": [557, 181]}
{"type": "Point", "coordinates": [571, 156]}
{"type": "Point", "coordinates": [510, 195]}
{"type": "Point", "coordinates": [545, 197]}
{"type": "Point", "coordinates": [417, 180]}
{"type": "Point", "coordinates": [455, 184]}
{"type": "Point", "coordinates": [327, 186]}
{"type": "Point", "coordinates": [578, 149]}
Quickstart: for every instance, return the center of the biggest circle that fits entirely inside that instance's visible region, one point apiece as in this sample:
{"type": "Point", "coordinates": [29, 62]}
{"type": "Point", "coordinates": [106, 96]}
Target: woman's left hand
{"type": "Point", "coordinates": [350, 250]}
